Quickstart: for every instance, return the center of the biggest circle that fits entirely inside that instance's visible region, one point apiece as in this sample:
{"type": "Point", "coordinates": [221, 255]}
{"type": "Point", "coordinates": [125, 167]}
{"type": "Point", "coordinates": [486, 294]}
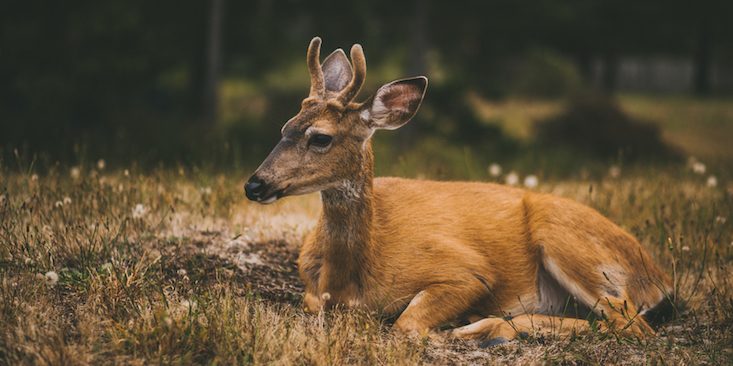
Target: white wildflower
{"type": "Point", "coordinates": [712, 181]}
{"type": "Point", "coordinates": [495, 170]}
{"type": "Point", "coordinates": [720, 219]}
{"type": "Point", "coordinates": [34, 178]}
{"type": "Point", "coordinates": [67, 200]}
{"type": "Point", "coordinates": [139, 211]}
{"type": "Point", "coordinates": [531, 181]}
{"type": "Point", "coordinates": [75, 172]}
{"type": "Point", "coordinates": [685, 248]}
{"type": "Point", "coordinates": [126, 173]}
{"type": "Point", "coordinates": [698, 168]}
{"type": "Point", "coordinates": [101, 164]}
{"type": "Point", "coordinates": [182, 272]}
{"type": "Point", "coordinates": [51, 278]}
{"type": "Point", "coordinates": [120, 187]}
{"type": "Point", "coordinates": [512, 179]}
{"type": "Point", "coordinates": [58, 204]}
{"type": "Point", "coordinates": [614, 171]}
{"type": "Point", "coordinates": [206, 191]}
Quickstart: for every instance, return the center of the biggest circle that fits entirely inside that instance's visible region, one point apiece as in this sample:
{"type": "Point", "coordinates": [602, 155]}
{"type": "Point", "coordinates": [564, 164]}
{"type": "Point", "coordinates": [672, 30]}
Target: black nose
{"type": "Point", "coordinates": [254, 188]}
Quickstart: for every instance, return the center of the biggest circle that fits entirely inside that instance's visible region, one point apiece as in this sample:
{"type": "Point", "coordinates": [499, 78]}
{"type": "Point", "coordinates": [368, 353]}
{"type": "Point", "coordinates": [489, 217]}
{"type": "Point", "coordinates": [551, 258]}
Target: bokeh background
{"type": "Point", "coordinates": [557, 87]}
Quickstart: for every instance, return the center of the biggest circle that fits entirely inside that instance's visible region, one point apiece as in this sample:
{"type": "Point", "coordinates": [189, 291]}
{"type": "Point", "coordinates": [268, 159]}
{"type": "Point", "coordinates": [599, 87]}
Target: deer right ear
{"type": "Point", "coordinates": [336, 71]}
{"type": "Point", "coordinates": [395, 103]}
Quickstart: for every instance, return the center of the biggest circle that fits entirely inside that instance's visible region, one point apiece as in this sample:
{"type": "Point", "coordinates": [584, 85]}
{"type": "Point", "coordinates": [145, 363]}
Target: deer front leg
{"type": "Point", "coordinates": [438, 304]}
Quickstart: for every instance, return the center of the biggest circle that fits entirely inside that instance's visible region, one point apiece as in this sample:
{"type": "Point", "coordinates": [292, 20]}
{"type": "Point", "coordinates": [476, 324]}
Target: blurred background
{"type": "Point", "coordinates": [550, 86]}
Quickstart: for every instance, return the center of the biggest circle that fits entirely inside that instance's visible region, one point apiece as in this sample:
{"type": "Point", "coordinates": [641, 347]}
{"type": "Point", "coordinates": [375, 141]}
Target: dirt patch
{"type": "Point", "coordinates": [270, 271]}
{"type": "Point", "coordinates": [267, 270]}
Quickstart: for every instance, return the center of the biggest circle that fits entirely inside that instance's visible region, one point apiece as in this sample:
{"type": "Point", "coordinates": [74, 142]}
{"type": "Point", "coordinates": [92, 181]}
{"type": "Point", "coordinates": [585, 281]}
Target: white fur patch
{"type": "Point", "coordinates": [365, 115]}
{"type": "Point", "coordinates": [350, 189]}
{"type": "Point", "coordinates": [569, 285]}
{"type": "Point", "coordinates": [269, 200]}
{"type": "Point", "coordinates": [472, 328]}
{"type": "Point", "coordinates": [416, 300]}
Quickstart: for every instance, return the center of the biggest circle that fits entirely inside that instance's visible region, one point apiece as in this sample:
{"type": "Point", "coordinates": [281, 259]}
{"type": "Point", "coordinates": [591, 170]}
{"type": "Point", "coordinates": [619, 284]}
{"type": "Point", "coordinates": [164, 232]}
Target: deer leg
{"type": "Point", "coordinates": [438, 304]}
{"type": "Point", "coordinates": [600, 293]}
{"type": "Point", "coordinates": [500, 330]}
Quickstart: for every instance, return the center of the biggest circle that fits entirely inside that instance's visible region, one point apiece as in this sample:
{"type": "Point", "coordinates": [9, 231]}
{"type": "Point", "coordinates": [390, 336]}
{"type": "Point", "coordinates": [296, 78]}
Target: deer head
{"type": "Point", "coordinates": [328, 142]}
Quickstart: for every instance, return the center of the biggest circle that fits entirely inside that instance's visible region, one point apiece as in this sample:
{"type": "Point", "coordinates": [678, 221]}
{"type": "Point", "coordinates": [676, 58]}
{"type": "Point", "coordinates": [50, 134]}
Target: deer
{"type": "Point", "coordinates": [490, 262]}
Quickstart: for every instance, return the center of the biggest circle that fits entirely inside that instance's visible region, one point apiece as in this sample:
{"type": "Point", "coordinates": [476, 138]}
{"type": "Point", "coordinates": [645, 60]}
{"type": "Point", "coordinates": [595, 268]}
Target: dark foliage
{"type": "Point", "coordinates": [595, 125]}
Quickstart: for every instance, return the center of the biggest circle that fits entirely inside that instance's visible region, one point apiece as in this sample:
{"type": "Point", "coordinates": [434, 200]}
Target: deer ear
{"type": "Point", "coordinates": [395, 103]}
{"type": "Point", "coordinates": [336, 71]}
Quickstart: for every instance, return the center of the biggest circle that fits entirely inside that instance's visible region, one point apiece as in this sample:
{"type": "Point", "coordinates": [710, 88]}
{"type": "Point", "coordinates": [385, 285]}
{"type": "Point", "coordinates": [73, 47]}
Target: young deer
{"type": "Point", "coordinates": [508, 260]}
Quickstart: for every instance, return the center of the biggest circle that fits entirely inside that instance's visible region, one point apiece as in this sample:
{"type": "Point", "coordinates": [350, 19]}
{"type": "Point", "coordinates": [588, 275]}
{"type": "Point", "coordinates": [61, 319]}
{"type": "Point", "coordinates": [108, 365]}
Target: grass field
{"type": "Point", "coordinates": [174, 266]}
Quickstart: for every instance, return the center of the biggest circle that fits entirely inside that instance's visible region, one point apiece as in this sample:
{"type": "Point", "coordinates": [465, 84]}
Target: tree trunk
{"type": "Point", "coordinates": [213, 61]}
{"type": "Point", "coordinates": [610, 72]}
{"type": "Point", "coordinates": [703, 59]}
{"type": "Point", "coordinates": [416, 61]}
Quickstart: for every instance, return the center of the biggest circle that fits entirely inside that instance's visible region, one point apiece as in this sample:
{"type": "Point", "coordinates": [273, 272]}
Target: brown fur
{"type": "Point", "coordinates": [441, 252]}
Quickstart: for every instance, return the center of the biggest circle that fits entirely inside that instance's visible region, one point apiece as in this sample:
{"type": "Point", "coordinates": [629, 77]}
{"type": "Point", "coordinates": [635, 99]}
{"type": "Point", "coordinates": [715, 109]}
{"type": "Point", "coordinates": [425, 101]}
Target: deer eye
{"type": "Point", "coordinates": [320, 140]}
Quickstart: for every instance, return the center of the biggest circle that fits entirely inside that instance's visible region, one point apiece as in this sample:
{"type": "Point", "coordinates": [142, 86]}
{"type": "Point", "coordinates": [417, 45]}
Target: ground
{"type": "Point", "coordinates": [176, 267]}
{"type": "Point", "coordinates": [116, 265]}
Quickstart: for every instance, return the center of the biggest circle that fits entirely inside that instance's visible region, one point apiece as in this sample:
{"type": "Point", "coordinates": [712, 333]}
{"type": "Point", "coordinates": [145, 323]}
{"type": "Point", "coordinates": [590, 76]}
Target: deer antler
{"type": "Point", "coordinates": [314, 66]}
{"type": "Point", "coordinates": [359, 62]}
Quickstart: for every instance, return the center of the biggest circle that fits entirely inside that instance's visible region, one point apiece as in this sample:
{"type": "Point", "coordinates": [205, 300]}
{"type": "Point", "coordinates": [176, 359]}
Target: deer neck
{"type": "Point", "coordinates": [347, 220]}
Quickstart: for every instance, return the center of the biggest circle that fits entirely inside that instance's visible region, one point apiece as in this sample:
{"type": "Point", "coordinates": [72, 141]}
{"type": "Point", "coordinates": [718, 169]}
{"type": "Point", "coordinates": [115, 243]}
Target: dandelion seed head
{"type": "Point", "coordinates": [139, 211]}
{"type": "Point", "coordinates": [512, 179]}
{"type": "Point", "coordinates": [531, 181]}
{"type": "Point", "coordinates": [495, 170]}
{"type": "Point", "coordinates": [51, 278]}
{"type": "Point", "coordinates": [698, 168]}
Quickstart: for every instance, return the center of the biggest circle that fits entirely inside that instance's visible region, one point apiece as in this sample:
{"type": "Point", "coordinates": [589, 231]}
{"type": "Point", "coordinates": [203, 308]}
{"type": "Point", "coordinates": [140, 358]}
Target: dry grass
{"type": "Point", "coordinates": [197, 275]}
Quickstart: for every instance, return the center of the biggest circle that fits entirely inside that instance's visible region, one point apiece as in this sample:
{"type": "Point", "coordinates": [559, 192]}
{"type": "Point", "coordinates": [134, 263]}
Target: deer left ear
{"type": "Point", "coordinates": [337, 71]}
{"type": "Point", "coordinates": [395, 103]}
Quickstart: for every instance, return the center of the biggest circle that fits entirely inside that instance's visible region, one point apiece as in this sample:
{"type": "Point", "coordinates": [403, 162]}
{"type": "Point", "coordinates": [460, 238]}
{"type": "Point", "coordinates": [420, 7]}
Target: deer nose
{"type": "Point", "coordinates": [254, 188]}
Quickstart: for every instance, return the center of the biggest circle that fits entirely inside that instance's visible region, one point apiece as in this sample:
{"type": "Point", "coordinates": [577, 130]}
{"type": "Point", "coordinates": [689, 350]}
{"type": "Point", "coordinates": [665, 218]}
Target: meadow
{"type": "Point", "coordinates": [122, 265]}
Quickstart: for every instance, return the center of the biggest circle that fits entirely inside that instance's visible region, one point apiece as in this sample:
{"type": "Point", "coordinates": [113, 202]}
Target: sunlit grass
{"type": "Point", "coordinates": [174, 266]}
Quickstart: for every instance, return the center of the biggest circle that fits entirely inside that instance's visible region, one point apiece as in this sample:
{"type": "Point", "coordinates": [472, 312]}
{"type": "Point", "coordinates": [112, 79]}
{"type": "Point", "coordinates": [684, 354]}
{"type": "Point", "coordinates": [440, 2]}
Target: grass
{"type": "Point", "coordinates": [175, 267]}
{"type": "Point", "coordinates": [699, 126]}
